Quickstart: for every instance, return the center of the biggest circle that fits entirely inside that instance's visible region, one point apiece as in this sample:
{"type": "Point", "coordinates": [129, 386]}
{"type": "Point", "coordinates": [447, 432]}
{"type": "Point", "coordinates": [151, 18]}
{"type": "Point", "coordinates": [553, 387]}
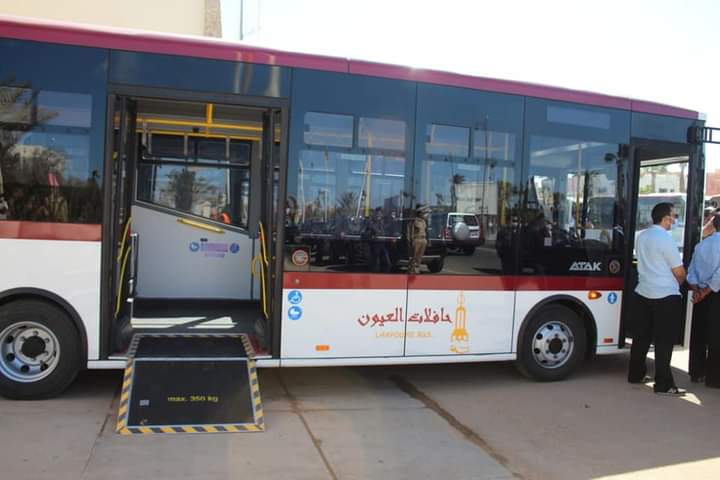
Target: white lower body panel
{"type": "Point", "coordinates": [605, 310]}
{"type": "Point", "coordinates": [67, 269]}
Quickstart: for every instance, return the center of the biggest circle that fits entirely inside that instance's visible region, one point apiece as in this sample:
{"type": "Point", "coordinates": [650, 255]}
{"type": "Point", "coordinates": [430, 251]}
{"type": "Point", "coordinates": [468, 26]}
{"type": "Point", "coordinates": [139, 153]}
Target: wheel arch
{"type": "Point", "coordinates": [574, 304]}
{"type": "Point", "coordinates": [29, 293]}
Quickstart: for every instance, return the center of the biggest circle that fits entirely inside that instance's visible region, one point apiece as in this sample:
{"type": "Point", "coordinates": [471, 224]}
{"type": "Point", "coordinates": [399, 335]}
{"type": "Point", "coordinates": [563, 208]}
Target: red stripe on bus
{"type": "Point", "coordinates": [334, 281]}
{"type": "Point", "coordinates": [568, 283]}
{"type": "Point", "coordinates": [461, 282]}
{"type": "Point", "coordinates": [149, 42]}
{"type": "Point", "coordinates": [489, 84]}
{"type": "Point", "coordinates": [50, 231]}
{"type": "Point", "coordinates": [163, 43]}
{"type": "Point", "coordinates": [660, 109]}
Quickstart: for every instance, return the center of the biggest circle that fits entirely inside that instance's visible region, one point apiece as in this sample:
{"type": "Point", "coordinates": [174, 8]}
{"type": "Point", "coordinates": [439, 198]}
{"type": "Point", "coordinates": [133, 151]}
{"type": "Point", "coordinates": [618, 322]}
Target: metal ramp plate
{"type": "Point", "coordinates": [190, 383]}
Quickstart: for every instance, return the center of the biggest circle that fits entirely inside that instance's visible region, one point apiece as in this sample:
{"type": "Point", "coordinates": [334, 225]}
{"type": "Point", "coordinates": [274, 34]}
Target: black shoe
{"type": "Point", "coordinates": [645, 379]}
{"type": "Point", "coordinates": [672, 391]}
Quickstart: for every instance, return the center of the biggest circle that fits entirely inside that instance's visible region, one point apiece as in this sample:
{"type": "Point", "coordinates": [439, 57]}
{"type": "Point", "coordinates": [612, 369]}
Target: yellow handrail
{"type": "Point", "coordinates": [263, 247]}
{"type": "Point", "coordinates": [124, 238]}
{"type": "Point", "coordinates": [261, 259]}
{"type": "Point", "coordinates": [122, 254]}
{"type": "Point", "coordinates": [200, 225]}
{"type": "Point", "coordinates": [120, 285]}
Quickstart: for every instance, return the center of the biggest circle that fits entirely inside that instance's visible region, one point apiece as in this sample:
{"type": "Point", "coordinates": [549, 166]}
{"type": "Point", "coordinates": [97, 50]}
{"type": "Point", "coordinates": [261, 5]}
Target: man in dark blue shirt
{"type": "Point", "coordinates": [704, 280]}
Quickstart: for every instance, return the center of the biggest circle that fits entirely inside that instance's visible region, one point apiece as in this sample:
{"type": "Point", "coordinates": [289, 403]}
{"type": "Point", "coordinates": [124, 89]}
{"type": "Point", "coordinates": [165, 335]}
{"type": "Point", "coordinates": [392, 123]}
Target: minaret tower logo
{"type": "Point", "coordinates": [459, 339]}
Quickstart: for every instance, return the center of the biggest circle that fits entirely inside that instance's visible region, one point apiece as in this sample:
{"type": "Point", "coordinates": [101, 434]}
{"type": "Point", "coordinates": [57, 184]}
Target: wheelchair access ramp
{"type": "Point", "coordinates": [190, 383]}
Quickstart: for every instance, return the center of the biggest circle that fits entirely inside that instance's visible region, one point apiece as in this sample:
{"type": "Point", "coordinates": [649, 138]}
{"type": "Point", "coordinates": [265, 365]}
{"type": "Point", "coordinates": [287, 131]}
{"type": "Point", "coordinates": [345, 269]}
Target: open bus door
{"type": "Point", "coordinates": [119, 245]}
{"type": "Point", "coordinates": [192, 218]}
{"type": "Point", "coordinates": [662, 171]}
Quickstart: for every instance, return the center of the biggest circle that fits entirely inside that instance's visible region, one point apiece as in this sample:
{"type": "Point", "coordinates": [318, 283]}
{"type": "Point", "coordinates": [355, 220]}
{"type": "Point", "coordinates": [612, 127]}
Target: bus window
{"type": "Point", "coordinates": [206, 174]}
{"type": "Point", "coordinates": [572, 207]}
{"type": "Point", "coordinates": [349, 202]}
{"type": "Point", "coordinates": [46, 168]}
{"type": "Point", "coordinates": [663, 182]}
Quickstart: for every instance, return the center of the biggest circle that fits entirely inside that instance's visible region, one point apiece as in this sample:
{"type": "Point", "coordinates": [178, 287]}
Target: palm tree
{"type": "Point", "coordinates": [456, 180]}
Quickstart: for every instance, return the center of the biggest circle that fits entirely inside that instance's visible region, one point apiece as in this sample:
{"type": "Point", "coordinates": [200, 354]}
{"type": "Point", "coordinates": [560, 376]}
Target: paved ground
{"type": "Point", "coordinates": [478, 421]}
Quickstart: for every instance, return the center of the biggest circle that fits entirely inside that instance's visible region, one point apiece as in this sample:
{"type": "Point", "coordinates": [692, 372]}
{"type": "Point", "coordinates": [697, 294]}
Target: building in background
{"type": "Point", "coordinates": [188, 17]}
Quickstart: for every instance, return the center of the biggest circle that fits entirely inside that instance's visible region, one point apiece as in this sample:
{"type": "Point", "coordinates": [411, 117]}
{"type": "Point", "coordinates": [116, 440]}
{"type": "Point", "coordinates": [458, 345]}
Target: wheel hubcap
{"type": "Point", "coordinates": [29, 352]}
{"type": "Point", "coordinates": [553, 344]}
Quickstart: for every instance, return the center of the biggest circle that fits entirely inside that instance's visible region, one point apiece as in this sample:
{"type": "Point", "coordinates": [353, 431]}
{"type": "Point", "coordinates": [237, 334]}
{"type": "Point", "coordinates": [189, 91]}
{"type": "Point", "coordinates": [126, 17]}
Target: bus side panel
{"type": "Point", "coordinates": [68, 269]}
{"type": "Point", "coordinates": [605, 311]}
{"type": "Point", "coordinates": [449, 322]}
{"type": "Point", "coordinates": [339, 323]}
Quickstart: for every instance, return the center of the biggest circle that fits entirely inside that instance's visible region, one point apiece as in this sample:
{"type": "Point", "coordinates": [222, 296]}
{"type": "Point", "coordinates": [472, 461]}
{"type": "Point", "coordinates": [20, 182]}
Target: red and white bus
{"type": "Point", "coordinates": [158, 183]}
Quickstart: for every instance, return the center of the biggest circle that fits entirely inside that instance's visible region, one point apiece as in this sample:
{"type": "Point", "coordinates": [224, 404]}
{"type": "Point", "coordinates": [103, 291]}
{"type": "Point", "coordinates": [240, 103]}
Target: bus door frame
{"type": "Point", "coordinates": [693, 213]}
{"type": "Point", "coordinates": [275, 237]}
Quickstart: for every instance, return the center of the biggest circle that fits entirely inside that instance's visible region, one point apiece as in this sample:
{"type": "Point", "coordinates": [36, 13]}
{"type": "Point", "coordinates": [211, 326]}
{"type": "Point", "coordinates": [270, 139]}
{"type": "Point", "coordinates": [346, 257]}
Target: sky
{"type": "Point", "coordinates": [662, 50]}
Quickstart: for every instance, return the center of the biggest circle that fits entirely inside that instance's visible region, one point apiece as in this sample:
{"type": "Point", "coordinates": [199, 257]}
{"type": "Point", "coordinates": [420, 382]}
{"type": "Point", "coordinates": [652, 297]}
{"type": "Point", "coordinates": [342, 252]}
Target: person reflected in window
{"type": "Point", "coordinates": [658, 302]}
{"type": "Point", "coordinates": [704, 280]}
{"type": "Point", "coordinates": [374, 230]}
{"type": "Point", "coordinates": [535, 238]}
{"type": "Point", "coordinates": [504, 245]}
{"type": "Point", "coordinates": [225, 217]}
{"type": "Point", "coordinates": [4, 208]}
{"type": "Point", "coordinates": [417, 238]}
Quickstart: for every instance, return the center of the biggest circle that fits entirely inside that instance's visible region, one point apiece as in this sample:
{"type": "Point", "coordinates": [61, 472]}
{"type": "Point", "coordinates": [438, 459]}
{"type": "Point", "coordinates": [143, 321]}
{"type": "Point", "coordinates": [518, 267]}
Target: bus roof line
{"type": "Point", "coordinates": [67, 33]}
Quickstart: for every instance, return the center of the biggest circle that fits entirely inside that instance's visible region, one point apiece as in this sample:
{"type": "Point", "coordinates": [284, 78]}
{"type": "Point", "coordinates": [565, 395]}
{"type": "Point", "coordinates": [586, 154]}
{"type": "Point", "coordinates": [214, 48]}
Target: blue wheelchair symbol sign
{"type": "Point", "coordinates": [612, 298]}
{"type": "Point", "coordinates": [295, 297]}
{"type": "Point", "coordinates": [295, 313]}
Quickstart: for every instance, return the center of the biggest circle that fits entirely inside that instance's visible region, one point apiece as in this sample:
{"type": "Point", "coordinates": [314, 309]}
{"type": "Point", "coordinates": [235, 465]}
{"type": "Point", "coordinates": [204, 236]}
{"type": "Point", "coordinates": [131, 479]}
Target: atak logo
{"type": "Point", "coordinates": [586, 267]}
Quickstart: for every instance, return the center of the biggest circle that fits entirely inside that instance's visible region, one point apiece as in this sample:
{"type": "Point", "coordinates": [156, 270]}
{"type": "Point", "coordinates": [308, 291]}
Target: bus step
{"type": "Point", "coordinates": [190, 383]}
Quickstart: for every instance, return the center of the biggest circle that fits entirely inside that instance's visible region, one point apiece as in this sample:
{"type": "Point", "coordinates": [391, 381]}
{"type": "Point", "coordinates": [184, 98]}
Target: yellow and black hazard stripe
{"type": "Point", "coordinates": [134, 345]}
{"type": "Point", "coordinates": [124, 407]}
{"type": "Point", "coordinates": [249, 350]}
{"type": "Point", "coordinates": [193, 429]}
{"type": "Point", "coordinates": [255, 393]}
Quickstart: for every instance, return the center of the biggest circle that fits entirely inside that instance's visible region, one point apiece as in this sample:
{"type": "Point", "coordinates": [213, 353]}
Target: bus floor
{"type": "Point", "coordinates": [198, 316]}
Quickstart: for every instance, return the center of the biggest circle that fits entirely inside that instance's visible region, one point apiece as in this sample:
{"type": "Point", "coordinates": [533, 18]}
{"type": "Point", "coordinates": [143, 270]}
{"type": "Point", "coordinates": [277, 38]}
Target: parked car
{"type": "Point", "coordinates": [459, 231]}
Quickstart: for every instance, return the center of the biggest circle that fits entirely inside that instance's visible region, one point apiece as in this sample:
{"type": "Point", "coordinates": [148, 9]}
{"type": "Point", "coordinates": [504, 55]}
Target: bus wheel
{"type": "Point", "coordinates": [552, 344]}
{"type": "Point", "coordinates": [39, 350]}
{"type": "Point", "coordinates": [436, 265]}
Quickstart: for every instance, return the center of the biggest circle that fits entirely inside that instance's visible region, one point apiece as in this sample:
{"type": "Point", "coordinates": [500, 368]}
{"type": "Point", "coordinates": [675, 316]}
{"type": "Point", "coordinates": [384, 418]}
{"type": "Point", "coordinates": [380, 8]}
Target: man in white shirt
{"type": "Point", "coordinates": [658, 313]}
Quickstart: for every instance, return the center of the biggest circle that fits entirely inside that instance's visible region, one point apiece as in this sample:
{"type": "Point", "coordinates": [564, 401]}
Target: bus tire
{"type": "Point", "coordinates": [436, 265]}
{"type": "Point", "coordinates": [552, 344]}
{"type": "Point", "coordinates": [40, 352]}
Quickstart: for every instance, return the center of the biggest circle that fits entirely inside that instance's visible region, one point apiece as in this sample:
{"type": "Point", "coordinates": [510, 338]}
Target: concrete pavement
{"type": "Point", "coordinates": [479, 421]}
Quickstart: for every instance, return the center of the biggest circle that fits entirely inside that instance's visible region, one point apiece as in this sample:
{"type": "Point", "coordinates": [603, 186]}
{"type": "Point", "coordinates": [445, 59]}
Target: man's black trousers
{"type": "Point", "coordinates": [656, 321]}
{"type": "Point", "coordinates": [712, 367]}
{"type": "Point", "coordinates": [699, 338]}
